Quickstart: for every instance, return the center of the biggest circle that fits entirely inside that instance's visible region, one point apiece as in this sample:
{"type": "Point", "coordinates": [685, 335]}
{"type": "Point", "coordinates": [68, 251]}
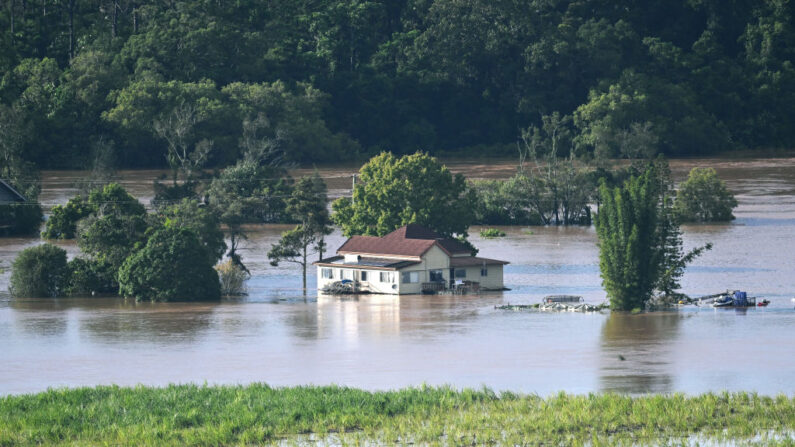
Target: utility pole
{"type": "Point", "coordinates": [353, 188]}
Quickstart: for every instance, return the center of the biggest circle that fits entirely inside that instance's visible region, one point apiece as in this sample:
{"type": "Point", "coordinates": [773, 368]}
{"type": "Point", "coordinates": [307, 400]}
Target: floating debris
{"type": "Point", "coordinates": [555, 307]}
{"type": "Point", "coordinates": [517, 307]}
{"type": "Point", "coordinates": [339, 288]}
{"type": "Point", "coordinates": [563, 307]}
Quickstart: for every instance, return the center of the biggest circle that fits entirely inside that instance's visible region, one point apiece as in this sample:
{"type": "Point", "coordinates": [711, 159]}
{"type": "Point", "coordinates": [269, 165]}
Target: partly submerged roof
{"type": "Point", "coordinates": [408, 240]}
{"type": "Point", "coordinates": [9, 194]}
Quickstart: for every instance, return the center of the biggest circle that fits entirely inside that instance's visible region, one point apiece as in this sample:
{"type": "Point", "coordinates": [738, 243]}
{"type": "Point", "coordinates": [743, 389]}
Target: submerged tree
{"type": "Point", "coordinates": [703, 197]}
{"type": "Point", "coordinates": [640, 244]}
{"type": "Point", "coordinates": [308, 205]}
{"type": "Point", "coordinates": [172, 266]}
{"type": "Point", "coordinates": [39, 272]}
{"type": "Point", "coordinates": [392, 192]}
{"type": "Point", "coordinates": [553, 186]}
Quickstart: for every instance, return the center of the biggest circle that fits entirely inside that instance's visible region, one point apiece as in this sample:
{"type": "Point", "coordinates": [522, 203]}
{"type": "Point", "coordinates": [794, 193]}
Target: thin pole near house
{"type": "Point", "coordinates": [353, 188]}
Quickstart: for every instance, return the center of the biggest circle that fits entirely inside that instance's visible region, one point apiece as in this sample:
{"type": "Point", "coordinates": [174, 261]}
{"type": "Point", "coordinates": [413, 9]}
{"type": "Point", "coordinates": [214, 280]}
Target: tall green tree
{"type": "Point", "coordinates": [308, 205]}
{"type": "Point", "coordinates": [394, 191]}
{"type": "Point", "coordinates": [640, 248]}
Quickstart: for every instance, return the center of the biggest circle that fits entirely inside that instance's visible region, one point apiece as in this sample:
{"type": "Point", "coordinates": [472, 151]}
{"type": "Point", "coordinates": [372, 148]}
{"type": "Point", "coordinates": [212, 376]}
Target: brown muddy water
{"type": "Point", "coordinates": [275, 335]}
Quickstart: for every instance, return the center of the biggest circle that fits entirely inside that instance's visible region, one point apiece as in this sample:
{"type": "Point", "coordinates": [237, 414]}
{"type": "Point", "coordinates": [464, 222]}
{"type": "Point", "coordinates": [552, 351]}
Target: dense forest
{"type": "Point", "coordinates": [328, 80]}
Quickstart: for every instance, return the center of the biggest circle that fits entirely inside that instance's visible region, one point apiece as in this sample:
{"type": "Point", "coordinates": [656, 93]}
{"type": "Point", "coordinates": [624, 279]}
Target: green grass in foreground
{"type": "Point", "coordinates": [256, 414]}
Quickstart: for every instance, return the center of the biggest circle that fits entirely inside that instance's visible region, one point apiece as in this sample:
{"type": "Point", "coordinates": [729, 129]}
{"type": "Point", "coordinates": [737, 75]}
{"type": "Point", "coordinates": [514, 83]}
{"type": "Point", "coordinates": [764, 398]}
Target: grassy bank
{"type": "Point", "coordinates": [255, 414]}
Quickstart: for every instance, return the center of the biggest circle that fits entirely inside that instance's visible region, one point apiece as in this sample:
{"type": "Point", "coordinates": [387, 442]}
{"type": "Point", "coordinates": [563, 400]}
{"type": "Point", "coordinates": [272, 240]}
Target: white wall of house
{"type": "Point", "coordinates": [395, 282]}
{"type": "Point", "coordinates": [369, 280]}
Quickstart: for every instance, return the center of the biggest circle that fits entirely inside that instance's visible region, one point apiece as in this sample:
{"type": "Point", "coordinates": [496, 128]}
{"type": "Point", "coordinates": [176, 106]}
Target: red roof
{"type": "Point", "coordinates": [408, 240]}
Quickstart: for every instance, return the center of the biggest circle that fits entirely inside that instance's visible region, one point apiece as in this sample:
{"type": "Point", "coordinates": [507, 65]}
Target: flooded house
{"type": "Point", "coordinates": [9, 195]}
{"type": "Point", "coordinates": [410, 260]}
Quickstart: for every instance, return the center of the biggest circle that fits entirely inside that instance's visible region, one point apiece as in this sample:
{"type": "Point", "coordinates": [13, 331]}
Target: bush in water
{"type": "Point", "coordinates": [232, 278]}
{"type": "Point", "coordinates": [39, 272]}
{"type": "Point", "coordinates": [173, 266]}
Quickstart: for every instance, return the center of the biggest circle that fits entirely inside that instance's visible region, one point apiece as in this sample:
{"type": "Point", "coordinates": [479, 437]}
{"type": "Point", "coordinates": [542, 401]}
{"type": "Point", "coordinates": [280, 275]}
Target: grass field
{"type": "Point", "coordinates": [258, 414]}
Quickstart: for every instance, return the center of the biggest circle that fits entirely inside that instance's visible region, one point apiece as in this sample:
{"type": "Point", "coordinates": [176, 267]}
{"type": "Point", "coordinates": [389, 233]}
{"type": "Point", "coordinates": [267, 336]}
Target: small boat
{"type": "Point", "coordinates": [763, 303]}
{"type": "Point", "coordinates": [562, 299]}
{"type": "Point", "coordinates": [723, 301]}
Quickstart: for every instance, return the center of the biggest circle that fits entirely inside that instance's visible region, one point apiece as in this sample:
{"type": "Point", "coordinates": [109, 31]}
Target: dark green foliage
{"type": "Point", "coordinates": [294, 247]}
{"type": "Point", "coordinates": [39, 272]}
{"type": "Point", "coordinates": [552, 184]}
{"type": "Point", "coordinates": [395, 191]}
{"type": "Point", "coordinates": [62, 223]}
{"type": "Point", "coordinates": [404, 75]}
{"type": "Point", "coordinates": [168, 193]}
{"type": "Point", "coordinates": [640, 243]}
{"type": "Point", "coordinates": [249, 192]}
{"type": "Point", "coordinates": [703, 197]}
{"type": "Point", "coordinates": [172, 266]}
{"type": "Point", "coordinates": [308, 205]}
{"type": "Point", "coordinates": [110, 199]}
{"type": "Point", "coordinates": [111, 238]}
{"type": "Point", "coordinates": [114, 199]}
{"type": "Point", "coordinates": [201, 221]}
{"type": "Point", "coordinates": [628, 254]}
{"type": "Point", "coordinates": [502, 202]}
{"type": "Point", "coordinates": [89, 277]}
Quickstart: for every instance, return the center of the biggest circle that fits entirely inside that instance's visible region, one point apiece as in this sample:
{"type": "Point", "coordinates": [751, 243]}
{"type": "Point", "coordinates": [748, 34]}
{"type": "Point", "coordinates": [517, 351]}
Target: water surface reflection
{"type": "Point", "coordinates": [636, 352]}
{"type": "Point", "coordinates": [277, 335]}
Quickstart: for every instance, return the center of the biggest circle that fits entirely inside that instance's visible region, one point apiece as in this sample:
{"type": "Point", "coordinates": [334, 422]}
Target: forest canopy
{"type": "Point", "coordinates": [329, 80]}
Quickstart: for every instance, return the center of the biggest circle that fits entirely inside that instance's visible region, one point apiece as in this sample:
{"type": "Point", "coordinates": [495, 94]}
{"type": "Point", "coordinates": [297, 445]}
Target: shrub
{"type": "Point", "coordinates": [491, 232]}
{"type": "Point", "coordinates": [201, 221]}
{"type": "Point", "coordinates": [502, 202]}
{"type": "Point", "coordinates": [89, 276]}
{"type": "Point", "coordinates": [232, 278]}
{"type": "Point", "coordinates": [173, 266]}
{"type": "Point", "coordinates": [703, 197]}
{"type": "Point", "coordinates": [62, 223]}
{"type": "Point", "coordinates": [39, 271]}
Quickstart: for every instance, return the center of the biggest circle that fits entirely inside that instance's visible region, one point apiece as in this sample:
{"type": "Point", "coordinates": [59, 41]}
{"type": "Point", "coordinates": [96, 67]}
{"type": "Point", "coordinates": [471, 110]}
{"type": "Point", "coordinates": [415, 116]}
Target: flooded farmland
{"type": "Point", "coordinates": [277, 335]}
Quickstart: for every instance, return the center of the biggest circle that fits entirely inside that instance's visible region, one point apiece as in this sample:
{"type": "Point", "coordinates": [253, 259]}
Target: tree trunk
{"type": "Point", "coordinates": [11, 12]}
{"type": "Point", "coordinates": [303, 266]}
{"type": "Point", "coordinates": [135, 18]}
{"type": "Point", "coordinates": [71, 28]}
{"type": "Point", "coordinates": [114, 19]}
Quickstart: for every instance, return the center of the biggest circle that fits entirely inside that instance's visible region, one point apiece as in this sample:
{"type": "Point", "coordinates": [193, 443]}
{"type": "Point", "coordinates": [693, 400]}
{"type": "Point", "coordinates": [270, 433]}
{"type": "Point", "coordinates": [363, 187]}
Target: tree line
{"type": "Point", "coordinates": [173, 252]}
{"type": "Point", "coordinates": [328, 80]}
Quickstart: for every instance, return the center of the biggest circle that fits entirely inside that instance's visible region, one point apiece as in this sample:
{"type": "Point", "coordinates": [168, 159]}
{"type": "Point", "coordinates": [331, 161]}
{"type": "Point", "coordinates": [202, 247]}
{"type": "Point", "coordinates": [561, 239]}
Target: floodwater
{"type": "Point", "coordinates": [278, 336]}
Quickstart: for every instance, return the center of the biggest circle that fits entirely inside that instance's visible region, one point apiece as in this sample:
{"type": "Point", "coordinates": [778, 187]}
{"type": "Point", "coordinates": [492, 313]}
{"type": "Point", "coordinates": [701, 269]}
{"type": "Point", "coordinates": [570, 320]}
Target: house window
{"type": "Point", "coordinates": [436, 276]}
{"type": "Point", "coordinates": [460, 273]}
{"type": "Point", "coordinates": [387, 277]}
{"type": "Point", "coordinates": [411, 277]}
{"type": "Point", "coordinates": [364, 276]}
{"type": "Point", "coordinates": [327, 273]}
{"type": "Point", "coordinates": [347, 274]}
{"type": "Point", "coordinates": [484, 271]}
